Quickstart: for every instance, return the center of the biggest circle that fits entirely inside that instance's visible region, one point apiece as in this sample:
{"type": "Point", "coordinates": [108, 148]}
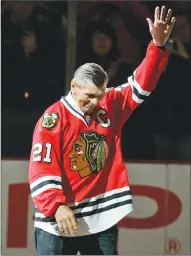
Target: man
{"type": "Point", "coordinates": [77, 176]}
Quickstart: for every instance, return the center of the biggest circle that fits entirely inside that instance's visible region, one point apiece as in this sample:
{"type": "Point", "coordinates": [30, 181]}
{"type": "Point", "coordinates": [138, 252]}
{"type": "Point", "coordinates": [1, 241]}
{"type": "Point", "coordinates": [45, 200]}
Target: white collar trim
{"type": "Point", "coordinates": [73, 103]}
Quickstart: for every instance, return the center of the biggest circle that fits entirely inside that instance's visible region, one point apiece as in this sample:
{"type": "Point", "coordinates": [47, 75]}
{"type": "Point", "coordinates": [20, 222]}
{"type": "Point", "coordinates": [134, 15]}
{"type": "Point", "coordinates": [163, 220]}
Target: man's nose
{"type": "Point", "coordinates": [94, 101]}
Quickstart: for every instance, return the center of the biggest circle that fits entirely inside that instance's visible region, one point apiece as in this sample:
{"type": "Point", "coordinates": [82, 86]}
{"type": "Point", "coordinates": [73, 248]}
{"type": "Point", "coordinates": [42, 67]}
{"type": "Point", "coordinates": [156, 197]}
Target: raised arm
{"type": "Point", "coordinates": [146, 76]}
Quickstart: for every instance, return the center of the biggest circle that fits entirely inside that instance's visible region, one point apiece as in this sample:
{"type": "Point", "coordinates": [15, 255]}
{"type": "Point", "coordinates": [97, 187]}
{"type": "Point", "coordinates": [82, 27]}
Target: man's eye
{"type": "Point", "coordinates": [100, 97]}
{"type": "Point", "coordinates": [90, 96]}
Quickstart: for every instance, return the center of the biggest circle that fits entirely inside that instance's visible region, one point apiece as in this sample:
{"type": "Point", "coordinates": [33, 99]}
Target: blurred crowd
{"type": "Point", "coordinates": [112, 34]}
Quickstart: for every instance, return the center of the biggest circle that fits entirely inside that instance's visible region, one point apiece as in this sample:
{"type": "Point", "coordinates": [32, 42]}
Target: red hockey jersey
{"type": "Point", "coordinates": [77, 159]}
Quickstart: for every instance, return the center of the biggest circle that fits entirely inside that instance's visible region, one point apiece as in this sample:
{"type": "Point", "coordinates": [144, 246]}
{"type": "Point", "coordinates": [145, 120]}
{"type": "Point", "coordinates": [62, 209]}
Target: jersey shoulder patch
{"type": "Point", "coordinates": [49, 120]}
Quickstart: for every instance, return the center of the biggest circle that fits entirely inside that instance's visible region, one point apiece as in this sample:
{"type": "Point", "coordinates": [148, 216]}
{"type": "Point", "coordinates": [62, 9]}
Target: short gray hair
{"type": "Point", "coordinates": [90, 73]}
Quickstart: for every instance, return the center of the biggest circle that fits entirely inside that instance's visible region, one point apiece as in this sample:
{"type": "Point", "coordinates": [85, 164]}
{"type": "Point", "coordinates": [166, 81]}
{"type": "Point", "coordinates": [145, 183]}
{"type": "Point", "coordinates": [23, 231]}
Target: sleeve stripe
{"type": "Point", "coordinates": [138, 87]}
{"type": "Point", "coordinates": [39, 215]}
{"type": "Point", "coordinates": [136, 95]}
{"type": "Point", "coordinates": [44, 183]}
{"type": "Point", "coordinates": [44, 188]}
{"type": "Point", "coordinates": [136, 99]}
{"type": "Point", "coordinates": [44, 178]}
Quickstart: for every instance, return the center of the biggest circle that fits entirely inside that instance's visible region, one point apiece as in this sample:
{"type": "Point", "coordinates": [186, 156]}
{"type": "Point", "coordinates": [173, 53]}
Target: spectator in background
{"type": "Point", "coordinates": [100, 45]}
{"type": "Point", "coordinates": [33, 67]}
{"type": "Point", "coordinates": [18, 11]}
{"type": "Point", "coordinates": [33, 56]}
{"type": "Point", "coordinates": [29, 43]}
{"type": "Point", "coordinates": [119, 15]}
{"type": "Point", "coordinates": [14, 17]}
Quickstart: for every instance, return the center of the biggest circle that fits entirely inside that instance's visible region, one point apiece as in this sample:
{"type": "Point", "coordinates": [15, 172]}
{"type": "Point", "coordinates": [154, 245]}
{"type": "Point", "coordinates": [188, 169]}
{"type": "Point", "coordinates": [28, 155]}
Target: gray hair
{"type": "Point", "coordinates": [90, 73]}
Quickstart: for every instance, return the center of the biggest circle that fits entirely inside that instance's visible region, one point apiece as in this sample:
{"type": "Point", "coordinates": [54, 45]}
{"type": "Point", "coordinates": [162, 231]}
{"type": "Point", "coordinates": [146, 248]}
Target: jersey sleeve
{"type": "Point", "coordinates": [45, 174]}
{"type": "Point", "coordinates": [142, 82]}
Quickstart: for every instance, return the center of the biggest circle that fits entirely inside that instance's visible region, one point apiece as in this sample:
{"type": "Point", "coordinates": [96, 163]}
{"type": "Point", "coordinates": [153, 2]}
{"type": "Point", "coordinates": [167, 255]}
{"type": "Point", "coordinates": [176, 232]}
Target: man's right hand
{"type": "Point", "coordinates": [66, 220]}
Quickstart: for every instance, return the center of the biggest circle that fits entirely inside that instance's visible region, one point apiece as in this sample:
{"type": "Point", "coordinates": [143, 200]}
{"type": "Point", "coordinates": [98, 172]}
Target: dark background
{"type": "Point", "coordinates": [34, 51]}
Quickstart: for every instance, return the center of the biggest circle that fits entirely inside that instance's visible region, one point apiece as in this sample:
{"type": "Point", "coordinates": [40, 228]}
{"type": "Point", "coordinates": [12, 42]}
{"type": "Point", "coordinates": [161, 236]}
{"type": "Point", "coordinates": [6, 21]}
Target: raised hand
{"type": "Point", "coordinates": [162, 26]}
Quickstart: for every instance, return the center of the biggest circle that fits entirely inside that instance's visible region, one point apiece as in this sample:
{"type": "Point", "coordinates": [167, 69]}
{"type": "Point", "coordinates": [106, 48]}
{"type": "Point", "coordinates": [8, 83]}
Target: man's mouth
{"type": "Point", "coordinates": [90, 108]}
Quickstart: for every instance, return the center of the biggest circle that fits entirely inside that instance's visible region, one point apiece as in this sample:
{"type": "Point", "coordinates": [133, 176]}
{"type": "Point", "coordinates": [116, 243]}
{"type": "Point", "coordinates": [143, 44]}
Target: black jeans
{"type": "Point", "coordinates": [103, 243]}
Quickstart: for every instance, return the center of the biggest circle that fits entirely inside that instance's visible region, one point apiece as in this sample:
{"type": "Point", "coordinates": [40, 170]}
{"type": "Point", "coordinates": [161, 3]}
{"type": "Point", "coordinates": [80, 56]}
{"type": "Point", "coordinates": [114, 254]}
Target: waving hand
{"type": "Point", "coordinates": [162, 26]}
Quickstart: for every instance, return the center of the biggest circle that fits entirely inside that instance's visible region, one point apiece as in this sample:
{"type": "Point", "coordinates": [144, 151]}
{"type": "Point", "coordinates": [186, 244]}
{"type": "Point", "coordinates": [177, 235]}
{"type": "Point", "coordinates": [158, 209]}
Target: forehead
{"type": "Point", "coordinates": [92, 89]}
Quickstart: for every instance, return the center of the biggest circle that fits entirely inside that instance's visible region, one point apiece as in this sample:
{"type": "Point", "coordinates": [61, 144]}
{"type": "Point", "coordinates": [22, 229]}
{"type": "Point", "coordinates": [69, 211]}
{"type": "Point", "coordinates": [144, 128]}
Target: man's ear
{"type": "Point", "coordinates": [73, 84]}
{"type": "Point", "coordinates": [73, 87]}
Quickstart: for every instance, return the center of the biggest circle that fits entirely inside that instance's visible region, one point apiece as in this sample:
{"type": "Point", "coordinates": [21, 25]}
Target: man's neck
{"type": "Point", "coordinates": [76, 103]}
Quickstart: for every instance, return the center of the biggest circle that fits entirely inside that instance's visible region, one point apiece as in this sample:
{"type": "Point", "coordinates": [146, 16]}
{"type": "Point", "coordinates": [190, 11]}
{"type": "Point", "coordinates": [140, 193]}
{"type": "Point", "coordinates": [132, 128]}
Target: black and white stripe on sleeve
{"type": "Point", "coordinates": [138, 94]}
{"type": "Point", "coordinates": [44, 183]}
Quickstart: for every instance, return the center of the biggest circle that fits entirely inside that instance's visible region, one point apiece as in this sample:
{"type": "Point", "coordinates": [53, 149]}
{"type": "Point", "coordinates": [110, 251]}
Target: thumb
{"type": "Point", "coordinates": [150, 23]}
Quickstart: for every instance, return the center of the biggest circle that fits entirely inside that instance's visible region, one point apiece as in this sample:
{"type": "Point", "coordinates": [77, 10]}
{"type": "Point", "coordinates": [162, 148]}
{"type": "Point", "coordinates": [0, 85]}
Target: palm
{"type": "Point", "coordinates": [162, 26]}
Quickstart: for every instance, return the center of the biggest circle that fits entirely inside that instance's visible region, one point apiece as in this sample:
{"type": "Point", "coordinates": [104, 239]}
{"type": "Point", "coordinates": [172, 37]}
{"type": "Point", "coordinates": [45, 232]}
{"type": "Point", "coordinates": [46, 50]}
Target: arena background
{"type": "Point", "coordinates": [42, 44]}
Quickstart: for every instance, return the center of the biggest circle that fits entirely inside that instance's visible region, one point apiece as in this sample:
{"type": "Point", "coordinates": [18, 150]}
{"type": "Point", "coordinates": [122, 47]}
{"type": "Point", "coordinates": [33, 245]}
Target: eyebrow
{"type": "Point", "coordinates": [98, 96]}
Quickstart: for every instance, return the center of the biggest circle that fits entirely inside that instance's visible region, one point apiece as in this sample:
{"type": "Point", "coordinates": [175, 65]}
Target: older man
{"type": "Point", "coordinates": [78, 180]}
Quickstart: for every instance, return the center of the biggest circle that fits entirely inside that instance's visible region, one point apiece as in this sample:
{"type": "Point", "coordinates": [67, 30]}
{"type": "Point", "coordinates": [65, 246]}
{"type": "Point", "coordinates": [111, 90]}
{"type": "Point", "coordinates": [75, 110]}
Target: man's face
{"type": "Point", "coordinates": [87, 96]}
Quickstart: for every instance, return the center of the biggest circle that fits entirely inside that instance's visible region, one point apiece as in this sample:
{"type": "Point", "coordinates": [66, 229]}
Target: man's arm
{"type": "Point", "coordinates": [146, 76]}
{"type": "Point", "coordinates": [45, 176]}
{"type": "Point", "coordinates": [45, 173]}
{"type": "Point", "coordinates": [144, 79]}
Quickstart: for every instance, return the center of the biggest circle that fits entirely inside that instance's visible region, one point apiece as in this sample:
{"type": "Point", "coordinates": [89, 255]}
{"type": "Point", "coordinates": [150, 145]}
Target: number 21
{"type": "Point", "coordinates": [37, 153]}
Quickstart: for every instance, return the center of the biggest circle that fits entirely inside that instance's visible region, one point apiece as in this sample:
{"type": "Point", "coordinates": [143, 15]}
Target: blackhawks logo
{"type": "Point", "coordinates": [89, 153]}
{"type": "Point", "coordinates": [49, 120]}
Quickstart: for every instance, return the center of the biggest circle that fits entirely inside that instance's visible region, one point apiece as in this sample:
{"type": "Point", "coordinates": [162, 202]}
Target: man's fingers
{"type": "Point", "coordinates": [168, 16]}
{"type": "Point", "coordinates": [69, 226]}
{"type": "Point", "coordinates": [163, 13]}
{"type": "Point", "coordinates": [74, 223]}
{"type": "Point", "coordinates": [65, 227]}
{"type": "Point", "coordinates": [60, 227]}
{"type": "Point", "coordinates": [66, 220]}
{"type": "Point", "coordinates": [150, 23]}
{"type": "Point", "coordinates": [173, 20]}
{"type": "Point", "coordinates": [157, 11]}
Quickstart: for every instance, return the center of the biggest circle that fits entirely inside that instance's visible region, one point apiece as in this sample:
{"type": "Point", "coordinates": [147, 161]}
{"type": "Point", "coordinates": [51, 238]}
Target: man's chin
{"type": "Point", "coordinates": [90, 110]}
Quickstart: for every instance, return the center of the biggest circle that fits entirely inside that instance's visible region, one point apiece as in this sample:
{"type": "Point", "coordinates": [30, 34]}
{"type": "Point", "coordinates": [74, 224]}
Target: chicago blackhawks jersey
{"type": "Point", "coordinates": [77, 160]}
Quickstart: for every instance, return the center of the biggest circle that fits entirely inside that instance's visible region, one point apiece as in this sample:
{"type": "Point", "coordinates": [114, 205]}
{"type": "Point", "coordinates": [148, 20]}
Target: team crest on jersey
{"type": "Point", "coordinates": [89, 153]}
{"type": "Point", "coordinates": [49, 120]}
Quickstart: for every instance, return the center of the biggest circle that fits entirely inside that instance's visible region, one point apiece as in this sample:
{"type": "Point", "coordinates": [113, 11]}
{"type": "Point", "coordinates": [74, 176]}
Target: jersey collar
{"type": "Point", "coordinates": [72, 103]}
{"type": "Point", "coordinates": [72, 106]}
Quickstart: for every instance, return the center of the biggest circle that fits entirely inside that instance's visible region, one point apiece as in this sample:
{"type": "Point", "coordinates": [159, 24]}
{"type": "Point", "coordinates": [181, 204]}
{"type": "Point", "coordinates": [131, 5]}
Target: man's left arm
{"type": "Point", "coordinates": [144, 79]}
{"type": "Point", "coordinates": [146, 76]}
